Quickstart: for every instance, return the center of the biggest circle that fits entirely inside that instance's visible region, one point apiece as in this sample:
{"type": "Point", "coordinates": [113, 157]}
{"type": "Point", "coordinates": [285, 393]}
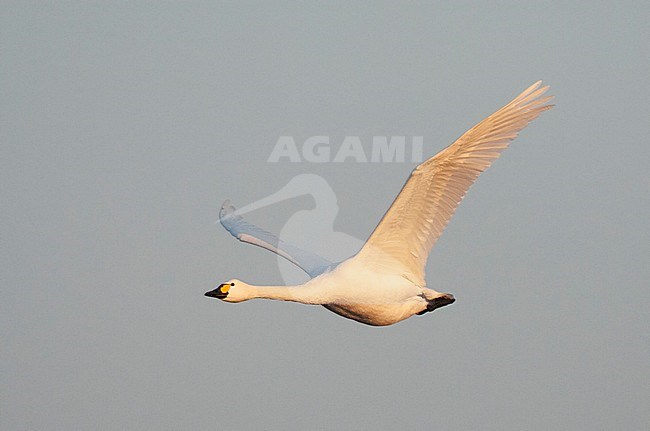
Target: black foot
{"type": "Point", "coordinates": [438, 302]}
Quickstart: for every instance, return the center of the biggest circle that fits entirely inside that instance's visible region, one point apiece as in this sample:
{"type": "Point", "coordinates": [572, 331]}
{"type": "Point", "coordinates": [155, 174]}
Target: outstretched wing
{"type": "Point", "coordinates": [244, 231]}
{"type": "Point", "coordinates": [428, 200]}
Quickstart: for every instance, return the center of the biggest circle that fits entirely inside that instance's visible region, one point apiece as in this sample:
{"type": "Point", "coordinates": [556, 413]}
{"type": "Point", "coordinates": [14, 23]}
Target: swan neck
{"type": "Point", "coordinates": [303, 294]}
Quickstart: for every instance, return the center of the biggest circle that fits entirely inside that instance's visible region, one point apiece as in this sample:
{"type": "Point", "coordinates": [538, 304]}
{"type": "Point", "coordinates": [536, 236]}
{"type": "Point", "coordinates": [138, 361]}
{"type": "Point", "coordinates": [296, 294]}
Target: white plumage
{"type": "Point", "coordinates": [384, 282]}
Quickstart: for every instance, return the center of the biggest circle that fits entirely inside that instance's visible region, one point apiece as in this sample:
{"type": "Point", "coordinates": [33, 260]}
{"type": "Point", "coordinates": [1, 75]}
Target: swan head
{"type": "Point", "coordinates": [231, 291]}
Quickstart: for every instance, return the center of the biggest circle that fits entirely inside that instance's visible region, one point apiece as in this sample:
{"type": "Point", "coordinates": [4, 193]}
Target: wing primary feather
{"type": "Point", "coordinates": [429, 198]}
{"type": "Point", "coordinates": [244, 231]}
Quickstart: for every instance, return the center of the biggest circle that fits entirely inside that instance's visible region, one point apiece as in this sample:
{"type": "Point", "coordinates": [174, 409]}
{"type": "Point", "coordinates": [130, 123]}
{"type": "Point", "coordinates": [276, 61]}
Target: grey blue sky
{"type": "Point", "coordinates": [124, 125]}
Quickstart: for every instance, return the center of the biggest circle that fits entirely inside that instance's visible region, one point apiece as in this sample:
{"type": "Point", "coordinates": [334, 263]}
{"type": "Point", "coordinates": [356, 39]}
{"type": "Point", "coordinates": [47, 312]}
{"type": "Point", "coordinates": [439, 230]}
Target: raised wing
{"type": "Point", "coordinates": [244, 231]}
{"type": "Point", "coordinates": [428, 200]}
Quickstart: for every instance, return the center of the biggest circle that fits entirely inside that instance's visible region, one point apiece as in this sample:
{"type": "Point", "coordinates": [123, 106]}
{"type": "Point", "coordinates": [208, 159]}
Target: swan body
{"type": "Point", "coordinates": [352, 290]}
{"type": "Point", "coordinates": [384, 282]}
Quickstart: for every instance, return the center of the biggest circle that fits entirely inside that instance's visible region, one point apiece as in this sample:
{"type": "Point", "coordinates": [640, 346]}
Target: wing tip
{"type": "Point", "coordinates": [227, 209]}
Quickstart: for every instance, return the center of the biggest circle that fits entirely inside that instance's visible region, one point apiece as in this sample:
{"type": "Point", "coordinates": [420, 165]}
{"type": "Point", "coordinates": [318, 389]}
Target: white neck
{"type": "Point", "coordinates": [308, 293]}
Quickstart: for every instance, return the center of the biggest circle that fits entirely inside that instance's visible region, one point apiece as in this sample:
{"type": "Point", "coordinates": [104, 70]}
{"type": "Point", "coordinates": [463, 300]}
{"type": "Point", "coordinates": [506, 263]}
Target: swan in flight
{"type": "Point", "coordinates": [384, 283]}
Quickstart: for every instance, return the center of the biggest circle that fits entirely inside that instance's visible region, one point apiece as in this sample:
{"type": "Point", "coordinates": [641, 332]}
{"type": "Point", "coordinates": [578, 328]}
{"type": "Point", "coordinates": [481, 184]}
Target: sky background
{"type": "Point", "coordinates": [124, 126]}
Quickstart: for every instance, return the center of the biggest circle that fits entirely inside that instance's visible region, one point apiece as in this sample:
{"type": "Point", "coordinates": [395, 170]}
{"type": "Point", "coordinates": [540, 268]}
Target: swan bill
{"type": "Point", "coordinates": [220, 292]}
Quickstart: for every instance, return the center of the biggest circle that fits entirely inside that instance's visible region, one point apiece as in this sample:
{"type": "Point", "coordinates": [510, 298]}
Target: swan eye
{"type": "Point", "coordinates": [232, 284]}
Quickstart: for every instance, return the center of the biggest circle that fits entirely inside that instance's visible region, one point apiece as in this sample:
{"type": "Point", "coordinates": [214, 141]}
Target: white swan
{"type": "Point", "coordinates": [384, 282]}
